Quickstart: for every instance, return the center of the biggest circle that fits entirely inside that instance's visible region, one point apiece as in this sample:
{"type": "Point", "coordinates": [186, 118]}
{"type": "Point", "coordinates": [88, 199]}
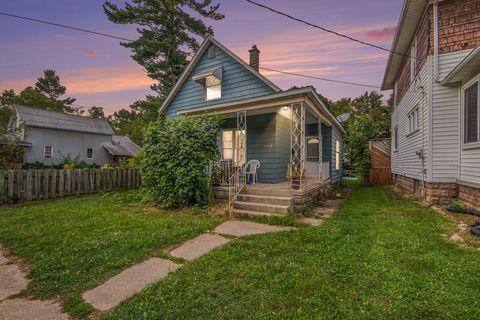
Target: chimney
{"type": "Point", "coordinates": [254, 57]}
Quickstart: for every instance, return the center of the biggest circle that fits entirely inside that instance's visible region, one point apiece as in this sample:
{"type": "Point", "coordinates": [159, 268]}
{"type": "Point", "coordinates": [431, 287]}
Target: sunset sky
{"type": "Point", "coordinates": [98, 71]}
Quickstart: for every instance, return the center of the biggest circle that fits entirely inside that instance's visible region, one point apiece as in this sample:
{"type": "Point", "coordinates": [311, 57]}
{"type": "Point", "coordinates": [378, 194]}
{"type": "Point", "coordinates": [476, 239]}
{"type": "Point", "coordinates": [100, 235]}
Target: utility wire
{"type": "Point", "coordinates": [124, 39]}
{"type": "Point", "coordinates": [323, 79]}
{"type": "Point", "coordinates": [325, 29]}
{"type": "Point", "coordinates": [64, 26]}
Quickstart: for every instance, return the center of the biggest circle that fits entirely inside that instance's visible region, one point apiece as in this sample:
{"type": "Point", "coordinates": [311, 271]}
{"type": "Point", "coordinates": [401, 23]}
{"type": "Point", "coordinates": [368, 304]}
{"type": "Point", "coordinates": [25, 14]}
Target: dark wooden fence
{"type": "Point", "coordinates": [28, 185]}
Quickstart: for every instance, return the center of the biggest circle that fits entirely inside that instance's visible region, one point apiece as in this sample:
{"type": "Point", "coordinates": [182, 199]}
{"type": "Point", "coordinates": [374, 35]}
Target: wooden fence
{"type": "Point", "coordinates": [28, 185]}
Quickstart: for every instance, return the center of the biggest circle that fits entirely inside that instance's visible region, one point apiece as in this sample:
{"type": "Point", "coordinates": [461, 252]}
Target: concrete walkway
{"type": "Point", "coordinates": [12, 281]}
{"type": "Point", "coordinates": [134, 279]}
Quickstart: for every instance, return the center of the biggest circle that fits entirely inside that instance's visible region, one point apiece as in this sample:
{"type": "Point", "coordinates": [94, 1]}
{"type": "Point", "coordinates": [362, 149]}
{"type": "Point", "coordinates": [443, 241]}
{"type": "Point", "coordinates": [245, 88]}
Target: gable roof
{"type": "Point", "coordinates": [40, 118]}
{"type": "Point", "coordinates": [203, 48]}
{"type": "Point", "coordinates": [122, 146]}
{"type": "Point", "coordinates": [410, 18]}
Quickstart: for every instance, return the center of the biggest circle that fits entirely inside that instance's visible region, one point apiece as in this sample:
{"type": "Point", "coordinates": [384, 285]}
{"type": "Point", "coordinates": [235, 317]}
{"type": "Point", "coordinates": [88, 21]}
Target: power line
{"type": "Point", "coordinates": [323, 79]}
{"type": "Point", "coordinates": [325, 29]}
{"type": "Point", "coordinates": [120, 38]}
{"type": "Point", "coordinates": [64, 26]}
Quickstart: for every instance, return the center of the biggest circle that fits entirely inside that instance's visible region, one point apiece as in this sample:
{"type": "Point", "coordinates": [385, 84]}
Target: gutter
{"type": "Point", "coordinates": [435, 41]}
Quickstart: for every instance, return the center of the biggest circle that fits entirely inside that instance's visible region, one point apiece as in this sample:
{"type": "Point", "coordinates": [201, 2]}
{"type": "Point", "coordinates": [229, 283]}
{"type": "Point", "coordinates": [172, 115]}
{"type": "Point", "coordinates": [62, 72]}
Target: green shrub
{"type": "Point", "coordinates": [177, 153]}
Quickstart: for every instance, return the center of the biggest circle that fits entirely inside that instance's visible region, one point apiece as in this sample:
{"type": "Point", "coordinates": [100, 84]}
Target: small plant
{"type": "Point", "coordinates": [308, 212]}
{"type": "Point", "coordinates": [458, 204]}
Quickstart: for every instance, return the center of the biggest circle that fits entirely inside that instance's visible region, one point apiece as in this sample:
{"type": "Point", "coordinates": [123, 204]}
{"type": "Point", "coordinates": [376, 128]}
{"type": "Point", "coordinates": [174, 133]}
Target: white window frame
{"type": "Point", "coordinates": [207, 87]}
{"type": "Point", "coordinates": [465, 87]}
{"type": "Point", "coordinates": [235, 150]}
{"type": "Point", "coordinates": [45, 151]}
{"type": "Point", "coordinates": [93, 153]}
{"type": "Point", "coordinates": [395, 138]}
{"type": "Point", "coordinates": [337, 155]}
{"type": "Point", "coordinates": [413, 60]}
{"type": "Point", "coordinates": [413, 121]}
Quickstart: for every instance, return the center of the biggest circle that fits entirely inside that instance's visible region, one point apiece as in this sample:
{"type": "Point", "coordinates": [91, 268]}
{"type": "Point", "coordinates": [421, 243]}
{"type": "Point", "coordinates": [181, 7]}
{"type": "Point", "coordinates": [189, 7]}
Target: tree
{"type": "Point", "coordinates": [96, 112]}
{"type": "Point", "coordinates": [176, 155]}
{"type": "Point", "coordinates": [167, 31]}
{"type": "Point", "coordinates": [51, 87]}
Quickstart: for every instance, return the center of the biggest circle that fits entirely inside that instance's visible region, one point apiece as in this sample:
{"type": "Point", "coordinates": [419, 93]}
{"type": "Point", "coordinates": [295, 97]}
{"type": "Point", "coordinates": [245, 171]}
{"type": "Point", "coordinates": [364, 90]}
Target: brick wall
{"type": "Point", "coordinates": [470, 195]}
{"type": "Point", "coordinates": [404, 183]}
{"type": "Point", "coordinates": [403, 81]}
{"type": "Point", "coordinates": [441, 193]}
{"type": "Point", "coordinates": [458, 25]}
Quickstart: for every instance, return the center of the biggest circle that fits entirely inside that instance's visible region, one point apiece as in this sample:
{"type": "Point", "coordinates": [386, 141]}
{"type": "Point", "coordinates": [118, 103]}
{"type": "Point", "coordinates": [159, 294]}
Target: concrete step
{"type": "Point", "coordinates": [267, 191]}
{"type": "Point", "coordinates": [282, 201]}
{"type": "Point", "coordinates": [261, 207]}
{"type": "Point", "coordinates": [240, 212]}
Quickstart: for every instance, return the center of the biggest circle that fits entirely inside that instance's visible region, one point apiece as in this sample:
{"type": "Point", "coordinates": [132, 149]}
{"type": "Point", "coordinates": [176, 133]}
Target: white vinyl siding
{"type": "Point", "coordinates": [405, 161]}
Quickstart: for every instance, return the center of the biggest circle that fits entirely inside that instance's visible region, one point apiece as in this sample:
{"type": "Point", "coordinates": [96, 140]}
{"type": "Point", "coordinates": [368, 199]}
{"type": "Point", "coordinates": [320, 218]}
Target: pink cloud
{"type": "Point", "coordinates": [91, 53]}
{"type": "Point", "coordinates": [385, 33]}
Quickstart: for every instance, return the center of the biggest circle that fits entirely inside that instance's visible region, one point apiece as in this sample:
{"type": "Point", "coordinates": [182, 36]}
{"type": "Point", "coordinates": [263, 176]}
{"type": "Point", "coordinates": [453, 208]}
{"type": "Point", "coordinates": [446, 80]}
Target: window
{"type": "Point", "coordinates": [313, 149]}
{"type": "Point", "coordinates": [89, 153]}
{"type": "Point", "coordinates": [471, 114]}
{"type": "Point", "coordinates": [211, 52]}
{"type": "Point", "coordinates": [48, 152]}
{"type": "Point", "coordinates": [213, 88]}
{"type": "Point", "coordinates": [337, 155]}
{"type": "Point", "coordinates": [413, 120]}
{"type": "Point", "coordinates": [413, 59]}
{"type": "Point", "coordinates": [231, 145]}
{"type": "Point", "coordinates": [395, 138]}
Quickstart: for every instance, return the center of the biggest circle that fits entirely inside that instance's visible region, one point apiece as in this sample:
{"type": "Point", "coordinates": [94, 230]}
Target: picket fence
{"type": "Point", "coordinates": [28, 185]}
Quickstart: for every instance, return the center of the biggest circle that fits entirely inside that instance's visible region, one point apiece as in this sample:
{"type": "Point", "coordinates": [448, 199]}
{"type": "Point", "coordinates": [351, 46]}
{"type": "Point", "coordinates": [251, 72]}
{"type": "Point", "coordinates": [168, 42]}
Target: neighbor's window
{"type": "Point", "coordinates": [89, 153]}
{"type": "Point", "coordinates": [413, 59]}
{"type": "Point", "coordinates": [48, 152]}
{"type": "Point", "coordinates": [337, 155]}
{"type": "Point", "coordinates": [213, 88]}
{"type": "Point", "coordinates": [471, 114]}
{"type": "Point", "coordinates": [413, 120]}
{"type": "Point", "coordinates": [231, 145]}
{"type": "Point", "coordinates": [395, 138]}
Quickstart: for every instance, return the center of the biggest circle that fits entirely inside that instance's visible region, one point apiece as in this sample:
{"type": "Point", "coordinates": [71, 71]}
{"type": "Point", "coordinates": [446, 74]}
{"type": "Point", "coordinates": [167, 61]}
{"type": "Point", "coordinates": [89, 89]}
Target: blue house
{"type": "Point", "coordinates": [296, 140]}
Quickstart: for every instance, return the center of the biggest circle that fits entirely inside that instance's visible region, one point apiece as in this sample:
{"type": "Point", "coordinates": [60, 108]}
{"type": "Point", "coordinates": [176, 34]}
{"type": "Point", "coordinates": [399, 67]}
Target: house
{"type": "Point", "coordinates": [434, 72]}
{"type": "Point", "coordinates": [51, 137]}
{"type": "Point", "coordinates": [291, 133]}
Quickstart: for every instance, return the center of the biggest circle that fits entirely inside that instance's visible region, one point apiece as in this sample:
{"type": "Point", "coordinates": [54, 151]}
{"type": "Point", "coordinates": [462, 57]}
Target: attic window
{"type": "Point", "coordinates": [211, 52]}
{"type": "Point", "coordinates": [211, 80]}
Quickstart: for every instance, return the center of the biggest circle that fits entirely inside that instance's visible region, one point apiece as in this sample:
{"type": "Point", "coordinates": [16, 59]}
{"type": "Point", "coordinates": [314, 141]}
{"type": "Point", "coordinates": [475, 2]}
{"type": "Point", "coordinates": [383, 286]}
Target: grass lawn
{"type": "Point", "coordinates": [74, 244]}
{"type": "Point", "coordinates": [380, 257]}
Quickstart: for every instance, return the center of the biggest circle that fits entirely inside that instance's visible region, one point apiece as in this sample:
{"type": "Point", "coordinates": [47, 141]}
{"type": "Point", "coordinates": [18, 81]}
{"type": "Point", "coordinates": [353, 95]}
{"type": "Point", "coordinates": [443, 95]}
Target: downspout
{"type": "Point", "coordinates": [435, 40]}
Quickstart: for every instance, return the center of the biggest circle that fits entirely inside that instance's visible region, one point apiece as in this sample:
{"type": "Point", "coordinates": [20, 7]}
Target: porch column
{"type": "Point", "coordinates": [297, 144]}
{"type": "Point", "coordinates": [242, 137]}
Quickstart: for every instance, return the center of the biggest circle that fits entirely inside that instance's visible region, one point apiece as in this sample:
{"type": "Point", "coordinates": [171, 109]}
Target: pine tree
{"type": "Point", "coordinates": [50, 87]}
{"type": "Point", "coordinates": [167, 34]}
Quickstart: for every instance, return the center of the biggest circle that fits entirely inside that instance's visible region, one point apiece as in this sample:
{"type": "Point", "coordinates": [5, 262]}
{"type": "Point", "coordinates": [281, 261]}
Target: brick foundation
{"type": "Point", "coordinates": [470, 195]}
{"type": "Point", "coordinates": [436, 193]}
{"type": "Point", "coordinates": [309, 198]}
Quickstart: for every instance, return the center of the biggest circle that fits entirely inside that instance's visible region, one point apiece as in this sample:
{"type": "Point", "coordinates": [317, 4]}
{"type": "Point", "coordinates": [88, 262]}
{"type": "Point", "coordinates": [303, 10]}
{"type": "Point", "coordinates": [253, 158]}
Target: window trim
{"type": "Point", "coordinates": [338, 151]}
{"type": "Point", "coordinates": [413, 59]}
{"type": "Point", "coordinates": [45, 151]}
{"type": "Point", "coordinates": [395, 138]}
{"type": "Point", "coordinates": [464, 88]}
{"type": "Point", "coordinates": [86, 153]}
{"type": "Point", "coordinates": [415, 112]}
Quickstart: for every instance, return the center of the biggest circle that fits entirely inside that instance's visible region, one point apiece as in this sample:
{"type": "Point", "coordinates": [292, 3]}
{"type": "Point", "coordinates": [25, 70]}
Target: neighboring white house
{"type": "Point", "coordinates": [50, 137]}
{"type": "Point", "coordinates": [435, 78]}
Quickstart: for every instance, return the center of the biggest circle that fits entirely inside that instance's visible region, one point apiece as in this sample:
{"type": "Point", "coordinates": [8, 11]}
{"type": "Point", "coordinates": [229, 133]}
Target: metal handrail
{"type": "Point", "coordinates": [237, 184]}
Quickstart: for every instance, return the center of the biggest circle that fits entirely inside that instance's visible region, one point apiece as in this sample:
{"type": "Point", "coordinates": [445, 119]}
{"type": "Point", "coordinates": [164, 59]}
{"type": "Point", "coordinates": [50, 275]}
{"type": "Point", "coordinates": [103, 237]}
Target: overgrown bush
{"type": "Point", "coordinates": [133, 162]}
{"type": "Point", "coordinates": [177, 153]}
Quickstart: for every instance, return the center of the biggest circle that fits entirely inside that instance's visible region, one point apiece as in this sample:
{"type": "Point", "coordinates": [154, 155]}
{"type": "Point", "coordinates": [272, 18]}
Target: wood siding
{"type": "Point", "coordinates": [238, 83]}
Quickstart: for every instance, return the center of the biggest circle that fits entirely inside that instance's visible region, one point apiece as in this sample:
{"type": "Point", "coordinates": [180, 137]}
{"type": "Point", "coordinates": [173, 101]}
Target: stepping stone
{"type": "Point", "coordinates": [128, 282]}
{"type": "Point", "coordinates": [334, 203]}
{"type": "Point", "coordinates": [312, 221]}
{"type": "Point", "coordinates": [457, 238]}
{"type": "Point", "coordinates": [198, 246]}
{"type": "Point", "coordinates": [23, 309]}
{"type": "Point", "coordinates": [246, 228]}
{"type": "Point", "coordinates": [12, 280]}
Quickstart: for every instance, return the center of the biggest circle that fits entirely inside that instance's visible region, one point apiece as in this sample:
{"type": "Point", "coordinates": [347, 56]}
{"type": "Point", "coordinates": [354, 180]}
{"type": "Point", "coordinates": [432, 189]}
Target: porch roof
{"type": "Point", "coordinates": [466, 68]}
{"type": "Point", "coordinates": [306, 95]}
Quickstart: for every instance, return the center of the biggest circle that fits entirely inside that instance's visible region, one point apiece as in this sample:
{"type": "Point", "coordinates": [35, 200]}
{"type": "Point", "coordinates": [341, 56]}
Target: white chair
{"type": "Point", "coordinates": [251, 169]}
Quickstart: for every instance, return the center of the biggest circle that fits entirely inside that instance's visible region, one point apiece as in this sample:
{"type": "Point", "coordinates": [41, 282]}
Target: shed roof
{"type": "Point", "coordinates": [40, 118]}
{"type": "Point", "coordinates": [122, 146]}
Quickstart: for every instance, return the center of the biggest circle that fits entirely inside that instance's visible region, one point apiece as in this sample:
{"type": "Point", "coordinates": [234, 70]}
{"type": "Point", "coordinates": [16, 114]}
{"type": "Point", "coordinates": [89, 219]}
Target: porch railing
{"type": "Point", "coordinates": [221, 171]}
{"type": "Point", "coordinates": [236, 183]}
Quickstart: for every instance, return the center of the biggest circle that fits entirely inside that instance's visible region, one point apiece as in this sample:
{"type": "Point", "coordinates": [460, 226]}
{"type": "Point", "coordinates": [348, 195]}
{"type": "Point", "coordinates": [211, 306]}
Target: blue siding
{"type": "Point", "coordinates": [268, 141]}
{"type": "Point", "coordinates": [238, 84]}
